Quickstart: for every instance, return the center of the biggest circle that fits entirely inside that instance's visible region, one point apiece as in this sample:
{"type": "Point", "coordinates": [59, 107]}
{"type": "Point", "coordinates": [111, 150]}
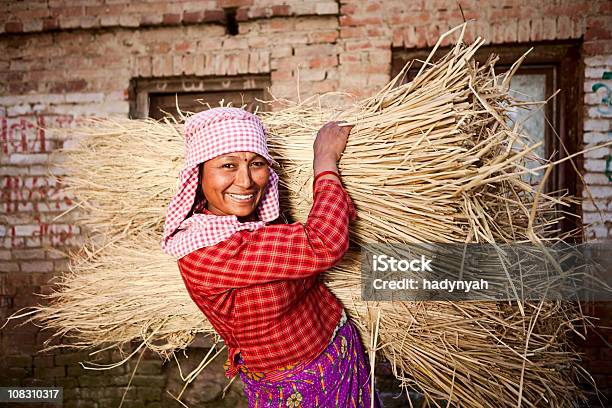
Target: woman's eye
{"type": "Point", "coordinates": [259, 164]}
{"type": "Point", "coordinates": [228, 166]}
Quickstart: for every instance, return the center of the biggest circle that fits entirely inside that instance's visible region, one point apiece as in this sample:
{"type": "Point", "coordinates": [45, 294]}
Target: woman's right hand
{"type": "Point", "coordinates": [328, 147]}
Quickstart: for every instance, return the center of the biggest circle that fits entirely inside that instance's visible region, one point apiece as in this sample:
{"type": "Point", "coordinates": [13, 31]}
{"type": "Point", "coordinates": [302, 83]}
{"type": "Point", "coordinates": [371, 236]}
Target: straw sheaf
{"type": "Point", "coordinates": [432, 160]}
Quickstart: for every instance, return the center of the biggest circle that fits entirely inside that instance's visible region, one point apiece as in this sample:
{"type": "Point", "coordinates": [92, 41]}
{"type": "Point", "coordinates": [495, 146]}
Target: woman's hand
{"type": "Point", "coordinates": [328, 147]}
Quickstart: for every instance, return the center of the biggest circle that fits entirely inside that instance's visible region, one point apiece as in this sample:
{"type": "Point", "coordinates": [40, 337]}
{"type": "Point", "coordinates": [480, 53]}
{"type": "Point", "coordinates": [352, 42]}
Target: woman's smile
{"type": "Point", "coordinates": [242, 198]}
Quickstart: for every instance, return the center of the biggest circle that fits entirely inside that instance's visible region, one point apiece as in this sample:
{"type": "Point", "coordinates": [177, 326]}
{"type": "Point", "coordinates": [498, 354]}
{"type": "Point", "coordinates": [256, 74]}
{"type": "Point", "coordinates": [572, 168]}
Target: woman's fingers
{"type": "Point", "coordinates": [331, 139]}
{"type": "Point", "coordinates": [329, 145]}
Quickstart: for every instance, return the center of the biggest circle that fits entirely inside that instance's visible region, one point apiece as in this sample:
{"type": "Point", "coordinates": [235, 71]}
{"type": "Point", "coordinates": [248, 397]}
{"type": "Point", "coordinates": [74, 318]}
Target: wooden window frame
{"type": "Point", "coordinates": [564, 112]}
{"type": "Point", "coordinates": [141, 88]}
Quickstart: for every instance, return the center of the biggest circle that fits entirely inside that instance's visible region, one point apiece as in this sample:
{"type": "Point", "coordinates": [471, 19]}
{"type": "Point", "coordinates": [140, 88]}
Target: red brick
{"type": "Point", "coordinates": [503, 14]}
{"type": "Point", "coordinates": [347, 20]}
{"type": "Point", "coordinates": [373, 20]}
{"type": "Point", "coordinates": [73, 11]}
{"type": "Point", "coordinates": [182, 46]}
{"type": "Point", "coordinates": [233, 3]}
{"type": "Point", "coordinates": [572, 8]}
{"type": "Point", "coordinates": [536, 30]}
{"type": "Point", "coordinates": [348, 8]}
{"type": "Point", "coordinates": [159, 48]}
{"type": "Point", "coordinates": [191, 17]}
{"type": "Point", "coordinates": [19, 360]}
{"type": "Point", "coordinates": [598, 22]}
{"type": "Point", "coordinates": [323, 36]}
{"type": "Point", "coordinates": [144, 66]}
{"type": "Point", "coordinates": [260, 42]}
{"type": "Point", "coordinates": [511, 32]}
{"type": "Point", "coordinates": [43, 361]}
{"type": "Point", "coordinates": [162, 65]}
{"type": "Point", "coordinates": [22, 338]}
{"type": "Point", "coordinates": [171, 18]}
{"type": "Point", "coordinates": [281, 10]}
{"type": "Point", "coordinates": [398, 37]}
{"type": "Point", "coordinates": [13, 27]}
{"type": "Point", "coordinates": [348, 58]}
{"type": "Point", "coordinates": [373, 69]}
{"type": "Point", "coordinates": [281, 75]}
{"type": "Point", "coordinates": [358, 45]}
{"type": "Point", "coordinates": [150, 19]}
{"type": "Point", "coordinates": [524, 26]}
{"type": "Point", "coordinates": [598, 28]}
{"type": "Point", "coordinates": [68, 86]}
{"type": "Point", "coordinates": [605, 7]}
{"type": "Point", "coordinates": [564, 27]}
{"type": "Point", "coordinates": [372, 8]}
{"type": "Point", "coordinates": [177, 65]}
{"type": "Point", "coordinates": [33, 13]}
{"type": "Point", "coordinates": [595, 33]}
{"type": "Point", "coordinates": [214, 16]}
{"type": "Point", "coordinates": [376, 32]}
{"type": "Point", "coordinates": [549, 28]}
{"type": "Point", "coordinates": [421, 36]}
{"type": "Point", "coordinates": [598, 47]}
{"type": "Point", "coordinates": [352, 32]}
{"type": "Point", "coordinates": [50, 23]}
{"type": "Point", "coordinates": [497, 33]}
{"type": "Point", "coordinates": [281, 24]}
{"type": "Point", "coordinates": [433, 34]}
{"type": "Point", "coordinates": [200, 64]}
{"type": "Point", "coordinates": [323, 62]}
{"type": "Point", "coordinates": [49, 372]}
{"type": "Point", "coordinates": [244, 13]}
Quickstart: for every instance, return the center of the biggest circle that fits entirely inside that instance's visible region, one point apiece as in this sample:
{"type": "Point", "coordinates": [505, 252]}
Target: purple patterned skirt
{"type": "Point", "coordinates": [338, 377]}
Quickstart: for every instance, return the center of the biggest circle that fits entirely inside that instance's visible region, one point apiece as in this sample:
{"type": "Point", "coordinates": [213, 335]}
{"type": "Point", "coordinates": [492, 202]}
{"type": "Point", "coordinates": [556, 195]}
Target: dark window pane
{"type": "Point", "coordinates": [196, 101]}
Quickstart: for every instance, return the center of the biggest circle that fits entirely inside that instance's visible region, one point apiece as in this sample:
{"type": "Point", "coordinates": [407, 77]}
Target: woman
{"type": "Point", "coordinates": [256, 282]}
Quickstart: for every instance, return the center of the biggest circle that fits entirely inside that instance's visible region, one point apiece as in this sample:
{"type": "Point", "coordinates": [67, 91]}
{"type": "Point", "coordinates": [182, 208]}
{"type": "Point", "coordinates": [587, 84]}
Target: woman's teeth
{"type": "Point", "coordinates": [241, 197]}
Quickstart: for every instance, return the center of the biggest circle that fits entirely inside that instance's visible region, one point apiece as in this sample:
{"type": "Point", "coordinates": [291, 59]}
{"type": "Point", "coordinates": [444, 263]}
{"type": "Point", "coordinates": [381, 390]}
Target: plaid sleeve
{"type": "Point", "coordinates": [277, 252]}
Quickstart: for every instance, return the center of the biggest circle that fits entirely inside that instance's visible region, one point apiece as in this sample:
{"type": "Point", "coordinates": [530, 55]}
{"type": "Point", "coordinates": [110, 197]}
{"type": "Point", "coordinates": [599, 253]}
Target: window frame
{"type": "Point", "coordinates": [564, 112]}
{"type": "Point", "coordinates": [141, 89]}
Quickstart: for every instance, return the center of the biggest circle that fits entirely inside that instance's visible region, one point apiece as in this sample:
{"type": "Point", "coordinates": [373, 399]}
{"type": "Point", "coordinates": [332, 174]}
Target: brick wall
{"type": "Point", "coordinates": [61, 60]}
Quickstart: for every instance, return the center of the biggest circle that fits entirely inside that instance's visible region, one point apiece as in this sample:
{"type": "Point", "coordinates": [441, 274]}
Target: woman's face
{"type": "Point", "coordinates": [234, 183]}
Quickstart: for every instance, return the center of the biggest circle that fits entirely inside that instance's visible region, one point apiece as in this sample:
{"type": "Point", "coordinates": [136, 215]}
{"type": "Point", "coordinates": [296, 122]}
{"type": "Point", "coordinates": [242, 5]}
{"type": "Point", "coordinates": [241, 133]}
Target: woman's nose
{"type": "Point", "coordinates": [243, 177]}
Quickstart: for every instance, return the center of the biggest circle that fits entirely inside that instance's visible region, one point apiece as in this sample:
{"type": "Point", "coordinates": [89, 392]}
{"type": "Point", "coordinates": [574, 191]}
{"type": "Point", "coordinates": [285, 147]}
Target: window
{"type": "Point", "coordinates": [152, 97]}
{"type": "Point", "coordinates": [547, 68]}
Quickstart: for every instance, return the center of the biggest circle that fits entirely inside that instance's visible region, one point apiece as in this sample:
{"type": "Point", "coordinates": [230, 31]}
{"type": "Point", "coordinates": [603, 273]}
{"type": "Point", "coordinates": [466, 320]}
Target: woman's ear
{"type": "Point", "coordinates": [199, 201]}
{"type": "Point", "coordinates": [200, 175]}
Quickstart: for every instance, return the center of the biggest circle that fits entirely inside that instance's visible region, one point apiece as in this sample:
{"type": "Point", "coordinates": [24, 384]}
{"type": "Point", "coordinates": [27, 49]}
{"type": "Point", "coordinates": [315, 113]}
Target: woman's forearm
{"type": "Point", "coordinates": [322, 164]}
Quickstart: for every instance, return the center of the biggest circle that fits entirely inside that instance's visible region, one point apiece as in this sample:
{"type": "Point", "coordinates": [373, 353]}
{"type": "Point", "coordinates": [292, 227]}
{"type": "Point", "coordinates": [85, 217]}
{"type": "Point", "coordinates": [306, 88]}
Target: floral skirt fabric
{"type": "Point", "coordinates": [338, 377]}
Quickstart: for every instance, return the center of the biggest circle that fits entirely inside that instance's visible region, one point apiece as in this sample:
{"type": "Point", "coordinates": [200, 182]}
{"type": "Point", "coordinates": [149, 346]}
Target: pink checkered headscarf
{"type": "Point", "coordinates": [209, 134]}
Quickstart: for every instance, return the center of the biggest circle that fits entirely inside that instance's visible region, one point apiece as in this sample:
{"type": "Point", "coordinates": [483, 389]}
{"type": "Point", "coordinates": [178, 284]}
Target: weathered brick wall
{"type": "Point", "coordinates": [32, 16]}
{"type": "Point", "coordinates": [61, 60]}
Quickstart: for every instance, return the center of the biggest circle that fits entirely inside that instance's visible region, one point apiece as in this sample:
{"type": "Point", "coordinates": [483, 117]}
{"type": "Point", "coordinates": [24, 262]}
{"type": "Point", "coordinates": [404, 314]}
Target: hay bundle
{"type": "Point", "coordinates": [429, 161]}
{"type": "Point", "coordinates": [476, 354]}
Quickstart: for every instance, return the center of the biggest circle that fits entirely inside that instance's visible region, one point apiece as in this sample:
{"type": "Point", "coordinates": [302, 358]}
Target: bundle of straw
{"type": "Point", "coordinates": [433, 160]}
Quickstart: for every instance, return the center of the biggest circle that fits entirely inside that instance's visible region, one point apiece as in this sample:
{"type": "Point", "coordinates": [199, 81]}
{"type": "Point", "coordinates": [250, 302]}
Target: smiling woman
{"type": "Point", "coordinates": [256, 281]}
{"type": "Point", "coordinates": [234, 183]}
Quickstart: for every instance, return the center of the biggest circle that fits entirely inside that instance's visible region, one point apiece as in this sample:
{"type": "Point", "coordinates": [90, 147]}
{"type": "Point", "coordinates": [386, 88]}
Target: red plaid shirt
{"type": "Point", "coordinates": [260, 290]}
